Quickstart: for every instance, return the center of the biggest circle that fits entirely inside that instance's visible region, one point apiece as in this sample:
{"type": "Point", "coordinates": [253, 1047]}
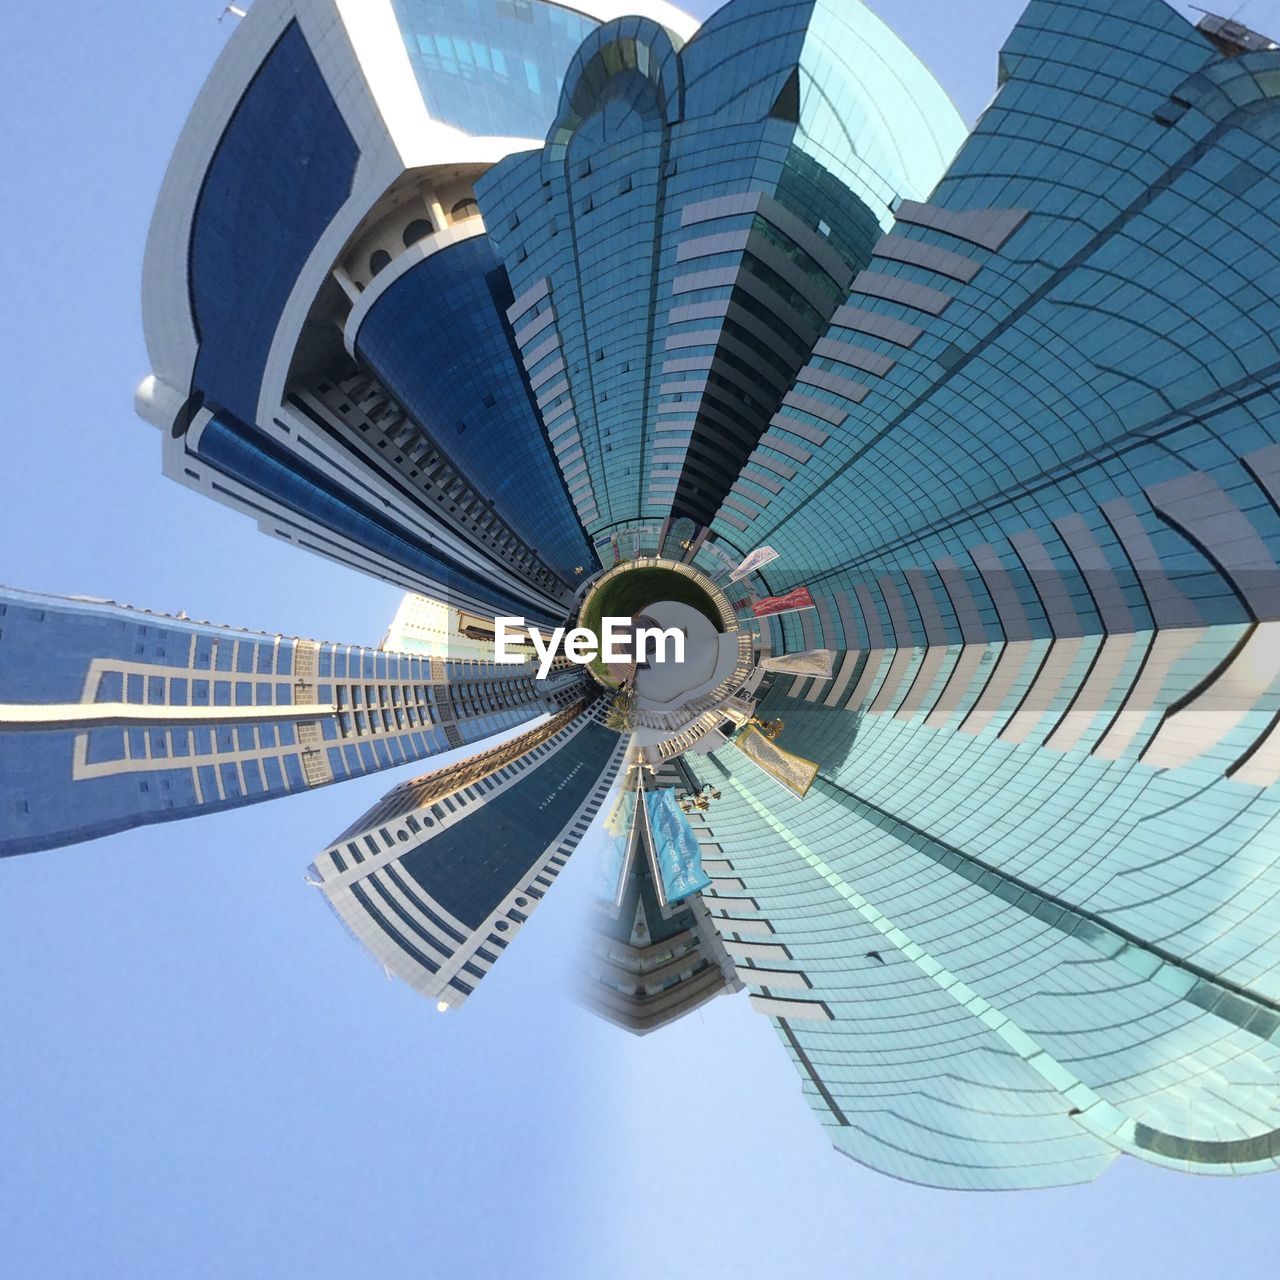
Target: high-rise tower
{"type": "Point", "coordinates": [111, 717]}
{"type": "Point", "coordinates": [326, 317]}
{"type": "Point", "coordinates": [438, 877]}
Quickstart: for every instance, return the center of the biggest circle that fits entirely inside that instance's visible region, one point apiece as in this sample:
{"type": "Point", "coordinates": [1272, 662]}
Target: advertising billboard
{"type": "Point", "coordinates": [675, 847]}
{"type": "Point", "coordinates": [760, 557]}
{"type": "Point", "coordinates": [797, 598]}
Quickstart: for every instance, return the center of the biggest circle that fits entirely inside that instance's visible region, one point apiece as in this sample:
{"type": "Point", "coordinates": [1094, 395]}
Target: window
{"type": "Point", "coordinates": [378, 259]}
{"type": "Point", "coordinates": [417, 230]}
{"type": "Point", "coordinates": [465, 209]}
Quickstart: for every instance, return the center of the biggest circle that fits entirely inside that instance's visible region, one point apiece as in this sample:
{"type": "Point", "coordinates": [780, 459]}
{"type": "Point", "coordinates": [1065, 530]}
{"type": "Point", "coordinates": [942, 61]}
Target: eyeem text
{"type": "Point", "coordinates": [619, 639]}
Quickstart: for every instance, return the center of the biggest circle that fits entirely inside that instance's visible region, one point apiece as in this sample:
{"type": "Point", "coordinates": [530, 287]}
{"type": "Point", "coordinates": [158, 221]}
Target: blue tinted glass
{"type": "Point", "coordinates": [439, 336]}
{"type": "Point", "coordinates": [491, 66]}
{"type": "Point", "coordinates": [282, 168]}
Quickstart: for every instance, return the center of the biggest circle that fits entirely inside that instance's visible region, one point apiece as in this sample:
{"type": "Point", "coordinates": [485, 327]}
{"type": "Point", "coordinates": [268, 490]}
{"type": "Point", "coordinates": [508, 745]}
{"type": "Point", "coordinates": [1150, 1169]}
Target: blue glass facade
{"type": "Point", "coordinates": [469, 868]}
{"type": "Point", "coordinates": [110, 748]}
{"type": "Point", "coordinates": [65, 785]}
{"type": "Point", "coordinates": [282, 169]}
{"type": "Point", "coordinates": [248, 455]}
{"type": "Point", "coordinates": [438, 878]}
{"type": "Point", "coordinates": [491, 66]}
{"type": "Point", "coordinates": [440, 337]}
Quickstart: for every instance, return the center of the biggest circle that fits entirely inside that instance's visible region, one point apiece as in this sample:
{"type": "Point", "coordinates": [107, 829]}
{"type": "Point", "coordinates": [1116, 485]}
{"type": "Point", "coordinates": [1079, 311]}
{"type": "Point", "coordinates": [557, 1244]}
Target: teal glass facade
{"type": "Point", "coordinates": [683, 239]}
{"type": "Point", "coordinates": [1077, 933]}
{"type": "Point", "coordinates": [1062, 408]}
{"type": "Point", "coordinates": [1032, 892]}
{"type": "Point", "coordinates": [1004, 402]}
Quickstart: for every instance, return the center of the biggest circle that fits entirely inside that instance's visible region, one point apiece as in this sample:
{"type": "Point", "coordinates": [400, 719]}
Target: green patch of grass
{"type": "Point", "coordinates": [629, 593]}
{"type": "Point", "coordinates": [601, 673]}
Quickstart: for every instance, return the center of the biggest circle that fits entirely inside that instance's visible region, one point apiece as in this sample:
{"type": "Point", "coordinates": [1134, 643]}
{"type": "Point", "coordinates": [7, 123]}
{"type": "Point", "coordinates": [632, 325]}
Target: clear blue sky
{"type": "Point", "coordinates": [202, 1075]}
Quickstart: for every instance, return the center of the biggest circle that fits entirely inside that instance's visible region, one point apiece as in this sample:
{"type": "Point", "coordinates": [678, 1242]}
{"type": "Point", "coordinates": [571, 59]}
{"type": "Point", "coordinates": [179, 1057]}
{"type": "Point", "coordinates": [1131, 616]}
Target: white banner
{"type": "Point", "coordinates": [812, 662]}
{"type": "Point", "coordinates": [759, 557]}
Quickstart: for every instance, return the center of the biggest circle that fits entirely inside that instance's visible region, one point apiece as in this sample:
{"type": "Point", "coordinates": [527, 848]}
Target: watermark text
{"type": "Point", "coordinates": [618, 641]}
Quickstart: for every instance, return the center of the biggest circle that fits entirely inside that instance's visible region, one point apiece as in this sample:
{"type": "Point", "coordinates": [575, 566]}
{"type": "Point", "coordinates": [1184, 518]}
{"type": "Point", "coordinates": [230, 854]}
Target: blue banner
{"type": "Point", "coordinates": [675, 846]}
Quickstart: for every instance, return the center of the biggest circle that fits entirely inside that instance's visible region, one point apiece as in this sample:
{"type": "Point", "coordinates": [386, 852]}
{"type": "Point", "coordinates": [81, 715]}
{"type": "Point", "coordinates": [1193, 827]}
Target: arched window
{"type": "Point", "coordinates": [465, 209]}
{"type": "Point", "coordinates": [417, 230]}
{"type": "Point", "coordinates": [378, 259]}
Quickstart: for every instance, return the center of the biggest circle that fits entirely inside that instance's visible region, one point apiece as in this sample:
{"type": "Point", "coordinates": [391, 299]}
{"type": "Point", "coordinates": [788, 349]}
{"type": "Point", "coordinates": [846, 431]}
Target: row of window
{"type": "Point", "coordinates": [420, 229]}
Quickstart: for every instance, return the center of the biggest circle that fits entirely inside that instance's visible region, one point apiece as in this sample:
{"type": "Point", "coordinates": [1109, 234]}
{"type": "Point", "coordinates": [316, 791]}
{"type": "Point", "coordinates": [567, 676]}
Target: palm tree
{"type": "Point", "coordinates": [621, 712]}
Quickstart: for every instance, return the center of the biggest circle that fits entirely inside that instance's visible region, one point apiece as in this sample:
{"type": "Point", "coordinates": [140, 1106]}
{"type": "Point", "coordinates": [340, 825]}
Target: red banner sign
{"type": "Point", "coordinates": [797, 598]}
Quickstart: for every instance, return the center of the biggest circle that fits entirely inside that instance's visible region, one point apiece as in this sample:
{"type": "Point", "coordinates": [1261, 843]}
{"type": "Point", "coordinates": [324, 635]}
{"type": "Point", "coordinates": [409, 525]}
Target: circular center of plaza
{"type": "Point", "coordinates": [666, 691]}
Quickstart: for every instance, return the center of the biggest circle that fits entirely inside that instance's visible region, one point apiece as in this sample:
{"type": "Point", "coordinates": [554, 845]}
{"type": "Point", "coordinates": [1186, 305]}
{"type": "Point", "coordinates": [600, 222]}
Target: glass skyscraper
{"type": "Point", "coordinates": [111, 717]}
{"type": "Point", "coordinates": [954, 456]}
{"type": "Point", "coordinates": [650, 957]}
{"type": "Point", "coordinates": [438, 878]}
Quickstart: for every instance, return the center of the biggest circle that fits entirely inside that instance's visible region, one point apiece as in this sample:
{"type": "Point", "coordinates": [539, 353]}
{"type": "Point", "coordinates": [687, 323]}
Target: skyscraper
{"type": "Point", "coordinates": [1046, 928]}
{"type": "Point", "coordinates": [649, 958]}
{"type": "Point", "coordinates": [438, 878]}
{"type": "Point", "coordinates": [685, 236]}
{"type": "Point", "coordinates": [324, 312]}
{"type": "Point", "coordinates": [954, 460]}
{"type": "Point", "coordinates": [112, 716]}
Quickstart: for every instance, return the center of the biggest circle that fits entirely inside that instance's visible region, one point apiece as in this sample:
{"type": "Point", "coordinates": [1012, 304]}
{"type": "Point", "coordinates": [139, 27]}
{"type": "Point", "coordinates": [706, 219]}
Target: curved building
{"type": "Point", "coordinates": [1041, 843]}
{"type": "Point", "coordinates": [978, 436]}
{"type": "Point", "coordinates": [324, 314]}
